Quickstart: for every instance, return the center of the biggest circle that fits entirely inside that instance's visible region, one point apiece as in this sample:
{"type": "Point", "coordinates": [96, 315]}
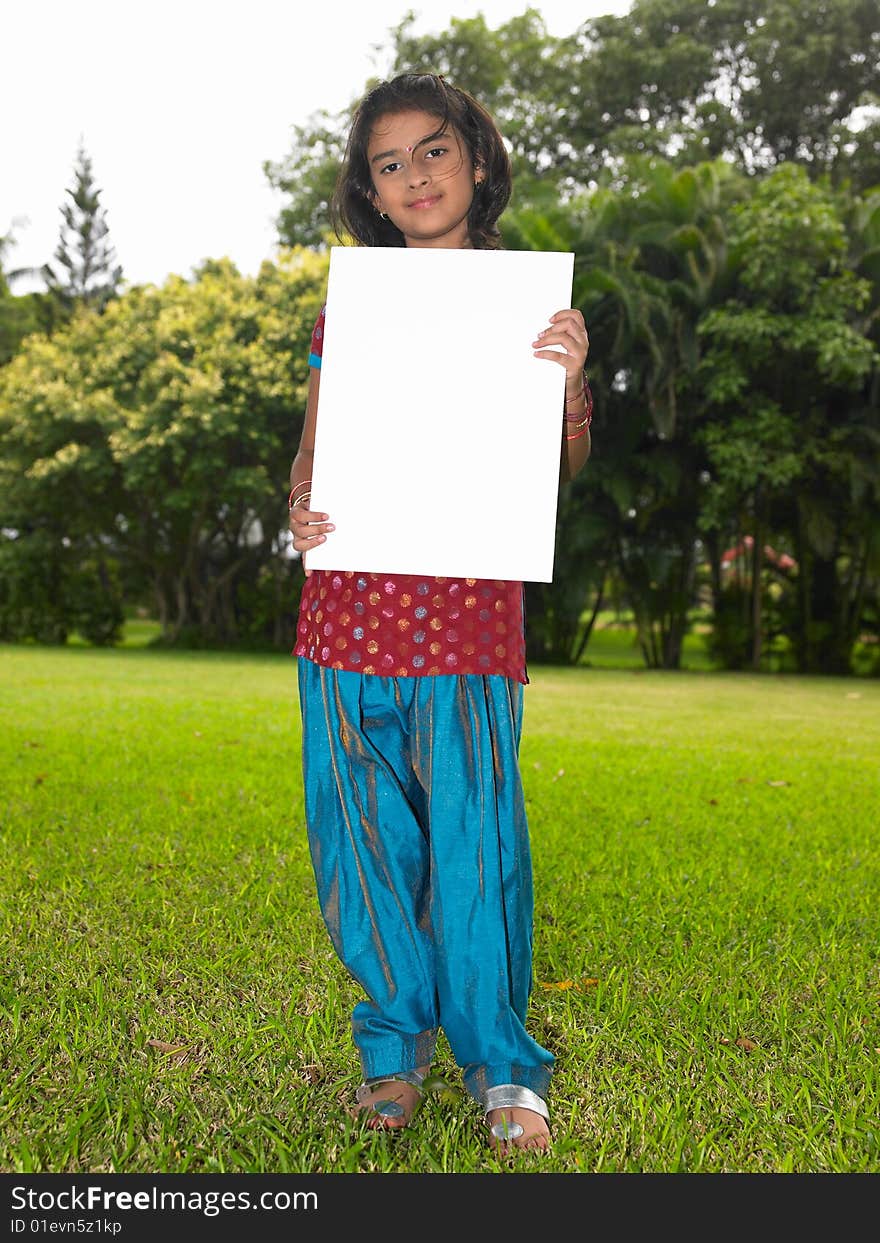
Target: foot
{"type": "Point", "coordinates": [389, 1105]}
{"type": "Point", "coordinates": [522, 1128]}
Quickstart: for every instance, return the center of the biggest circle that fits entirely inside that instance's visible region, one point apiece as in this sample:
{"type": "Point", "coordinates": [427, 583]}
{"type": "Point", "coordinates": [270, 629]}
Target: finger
{"type": "Point", "coordinates": [302, 543]}
{"type": "Point", "coordinates": [566, 321]}
{"type": "Point", "coordinates": [315, 521]}
{"type": "Point", "coordinates": [572, 354]}
{"type": "Point", "coordinates": [572, 348]}
{"type": "Point", "coordinates": [308, 515]}
{"type": "Point", "coordinates": [561, 334]}
{"type": "Point", "coordinates": [566, 326]}
{"type": "Point", "coordinates": [571, 313]}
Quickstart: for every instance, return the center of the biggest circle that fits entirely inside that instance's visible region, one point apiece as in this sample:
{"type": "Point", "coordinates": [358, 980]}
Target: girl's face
{"type": "Point", "coordinates": [423, 178]}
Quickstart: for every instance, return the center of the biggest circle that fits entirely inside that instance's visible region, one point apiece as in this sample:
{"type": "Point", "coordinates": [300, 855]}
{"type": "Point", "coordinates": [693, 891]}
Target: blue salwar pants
{"type": "Point", "coordinates": [419, 841]}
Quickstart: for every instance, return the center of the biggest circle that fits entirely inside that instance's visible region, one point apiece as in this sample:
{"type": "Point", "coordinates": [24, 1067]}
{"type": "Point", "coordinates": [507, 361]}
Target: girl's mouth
{"type": "Point", "coordinates": [429, 201]}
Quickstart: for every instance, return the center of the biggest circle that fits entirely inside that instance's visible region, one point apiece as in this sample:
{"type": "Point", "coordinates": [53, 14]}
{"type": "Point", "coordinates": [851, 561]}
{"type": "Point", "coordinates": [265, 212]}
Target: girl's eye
{"type": "Point", "coordinates": [435, 151]}
{"type": "Point", "coordinates": [390, 168]}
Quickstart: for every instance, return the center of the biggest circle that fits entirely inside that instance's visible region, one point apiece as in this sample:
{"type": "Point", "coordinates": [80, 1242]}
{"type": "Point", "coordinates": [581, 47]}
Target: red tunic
{"type": "Point", "coordinates": [406, 625]}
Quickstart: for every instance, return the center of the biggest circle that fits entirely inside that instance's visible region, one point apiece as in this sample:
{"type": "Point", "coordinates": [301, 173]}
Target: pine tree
{"type": "Point", "coordinates": [90, 275]}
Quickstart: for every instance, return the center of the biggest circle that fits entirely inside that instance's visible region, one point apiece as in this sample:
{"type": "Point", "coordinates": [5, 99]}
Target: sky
{"type": "Point", "coordinates": [178, 103]}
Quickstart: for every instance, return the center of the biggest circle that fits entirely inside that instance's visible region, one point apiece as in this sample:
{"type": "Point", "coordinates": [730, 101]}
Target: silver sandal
{"type": "Point", "coordinates": [388, 1107]}
{"type": "Point", "coordinates": [511, 1096]}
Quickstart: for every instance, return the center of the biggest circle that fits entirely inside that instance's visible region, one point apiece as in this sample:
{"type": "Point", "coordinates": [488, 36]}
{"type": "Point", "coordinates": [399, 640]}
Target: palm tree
{"type": "Point", "coordinates": [650, 259]}
{"type": "Point", "coordinates": [8, 278]}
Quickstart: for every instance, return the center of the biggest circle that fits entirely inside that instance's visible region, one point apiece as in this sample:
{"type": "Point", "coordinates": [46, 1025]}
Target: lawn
{"type": "Point", "coordinates": [707, 873]}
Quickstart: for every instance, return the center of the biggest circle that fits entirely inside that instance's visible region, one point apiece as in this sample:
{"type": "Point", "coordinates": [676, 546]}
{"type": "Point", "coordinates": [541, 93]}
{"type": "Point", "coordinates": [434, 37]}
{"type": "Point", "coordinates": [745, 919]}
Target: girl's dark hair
{"type": "Point", "coordinates": [351, 209]}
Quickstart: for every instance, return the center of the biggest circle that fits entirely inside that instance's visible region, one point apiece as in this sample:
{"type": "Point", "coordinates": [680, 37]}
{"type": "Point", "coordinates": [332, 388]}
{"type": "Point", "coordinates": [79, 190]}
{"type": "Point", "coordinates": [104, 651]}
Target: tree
{"type": "Point", "coordinates": [756, 84]}
{"type": "Point", "coordinates": [761, 84]}
{"type": "Point", "coordinates": [791, 376]}
{"type": "Point", "coordinates": [89, 275]}
{"type": "Point", "coordinates": [650, 260]}
{"type": "Point", "coordinates": [146, 450]}
{"type": "Point", "coordinates": [19, 315]}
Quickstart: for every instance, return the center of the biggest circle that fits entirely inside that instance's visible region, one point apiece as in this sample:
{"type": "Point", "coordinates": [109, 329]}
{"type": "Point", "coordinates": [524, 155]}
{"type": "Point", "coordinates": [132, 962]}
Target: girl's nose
{"type": "Point", "coordinates": [417, 176]}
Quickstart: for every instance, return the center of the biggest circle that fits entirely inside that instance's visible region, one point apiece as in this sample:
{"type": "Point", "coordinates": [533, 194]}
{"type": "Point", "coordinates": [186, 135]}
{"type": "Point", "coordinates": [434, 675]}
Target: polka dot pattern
{"type": "Point", "coordinates": [404, 626]}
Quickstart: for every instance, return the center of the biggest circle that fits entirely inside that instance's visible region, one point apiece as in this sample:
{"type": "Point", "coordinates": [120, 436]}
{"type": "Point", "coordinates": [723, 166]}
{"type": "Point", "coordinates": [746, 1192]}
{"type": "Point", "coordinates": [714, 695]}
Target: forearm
{"type": "Point", "coordinates": [574, 456]}
{"type": "Point", "coordinates": [301, 467]}
{"type": "Point", "coordinates": [576, 441]}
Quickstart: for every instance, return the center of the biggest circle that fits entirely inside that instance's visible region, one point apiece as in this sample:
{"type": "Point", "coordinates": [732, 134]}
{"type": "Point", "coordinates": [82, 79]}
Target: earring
{"type": "Point", "coordinates": [384, 215]}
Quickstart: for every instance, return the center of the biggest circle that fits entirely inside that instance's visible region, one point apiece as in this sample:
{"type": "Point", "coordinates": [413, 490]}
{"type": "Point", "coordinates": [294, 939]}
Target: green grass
{"type": "Point", "coordinates": [706, 935]}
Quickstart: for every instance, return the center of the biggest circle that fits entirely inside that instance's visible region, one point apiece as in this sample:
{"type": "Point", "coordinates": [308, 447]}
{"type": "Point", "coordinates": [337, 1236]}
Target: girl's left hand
{"type": "Point", "coordinates": [568, 330]}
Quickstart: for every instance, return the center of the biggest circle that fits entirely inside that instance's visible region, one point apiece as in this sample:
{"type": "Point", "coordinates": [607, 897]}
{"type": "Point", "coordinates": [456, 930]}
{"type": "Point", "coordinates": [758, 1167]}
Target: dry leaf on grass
{"type": "Point", "coordinates": [176, 1051]}
{"type": "Point", "coordinates": [585, 982]}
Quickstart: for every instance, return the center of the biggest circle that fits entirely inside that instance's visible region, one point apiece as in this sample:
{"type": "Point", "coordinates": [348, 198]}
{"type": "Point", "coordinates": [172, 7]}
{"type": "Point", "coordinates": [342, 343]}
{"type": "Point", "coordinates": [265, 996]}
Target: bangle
{"type": "Point", "coordinates": [586, 413]}
{"type": "Point", "coordinates": [587, 394]}
{"type": "Point", "coordinates": [582, 425]}
{"type": "Point", "coordinates": [582, 393]}
{"type": "Point", "coordinates": [293, 501]}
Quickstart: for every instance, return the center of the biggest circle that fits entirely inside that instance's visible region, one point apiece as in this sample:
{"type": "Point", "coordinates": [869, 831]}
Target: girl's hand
{"type": "Point", "coordinates": [568, 330]}
{"type": "Point", "coordinates": [309, 529]}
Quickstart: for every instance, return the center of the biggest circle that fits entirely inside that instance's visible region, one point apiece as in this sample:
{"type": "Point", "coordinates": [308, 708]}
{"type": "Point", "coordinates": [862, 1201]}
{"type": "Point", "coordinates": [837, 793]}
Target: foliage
{"type": "Point", "coordinates": [713, 168]}
{"type": "Point", "coordinates": [690, 82]}
{"type": "Point", "coordinates": [156, 438]}
{"type": "Point", "coordinates": [789, 367]}
{"type": "Point", "coordinates": [19, 315]}
{"type": "Point", "coordinates": [87, 273]}
{"type": "Point", "coordinates": [650, 258]}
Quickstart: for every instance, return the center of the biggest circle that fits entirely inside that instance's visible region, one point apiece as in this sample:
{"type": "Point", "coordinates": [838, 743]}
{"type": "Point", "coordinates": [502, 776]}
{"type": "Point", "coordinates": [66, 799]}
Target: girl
{"type": "Point", "coordinates": [411, 693]}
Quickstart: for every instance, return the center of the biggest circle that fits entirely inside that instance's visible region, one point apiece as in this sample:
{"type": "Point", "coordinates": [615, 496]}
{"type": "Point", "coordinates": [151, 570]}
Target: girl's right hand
{"type": "Point", "coordinates": [309, 529]}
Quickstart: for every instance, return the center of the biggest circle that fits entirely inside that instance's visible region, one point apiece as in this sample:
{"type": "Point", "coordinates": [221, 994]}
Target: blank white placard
{"type": "Point", "coordinates": [438, 435]}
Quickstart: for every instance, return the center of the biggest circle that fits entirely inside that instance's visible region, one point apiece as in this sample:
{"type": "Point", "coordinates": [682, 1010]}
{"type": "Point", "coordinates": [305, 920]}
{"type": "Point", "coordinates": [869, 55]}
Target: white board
{"type": "Point", "coordinates": [438, 435]}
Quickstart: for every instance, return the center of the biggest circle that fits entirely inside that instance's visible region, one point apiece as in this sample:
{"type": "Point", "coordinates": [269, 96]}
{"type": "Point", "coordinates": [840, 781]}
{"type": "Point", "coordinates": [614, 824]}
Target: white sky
{"type": "Point", "coordinates": [179, 102]}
